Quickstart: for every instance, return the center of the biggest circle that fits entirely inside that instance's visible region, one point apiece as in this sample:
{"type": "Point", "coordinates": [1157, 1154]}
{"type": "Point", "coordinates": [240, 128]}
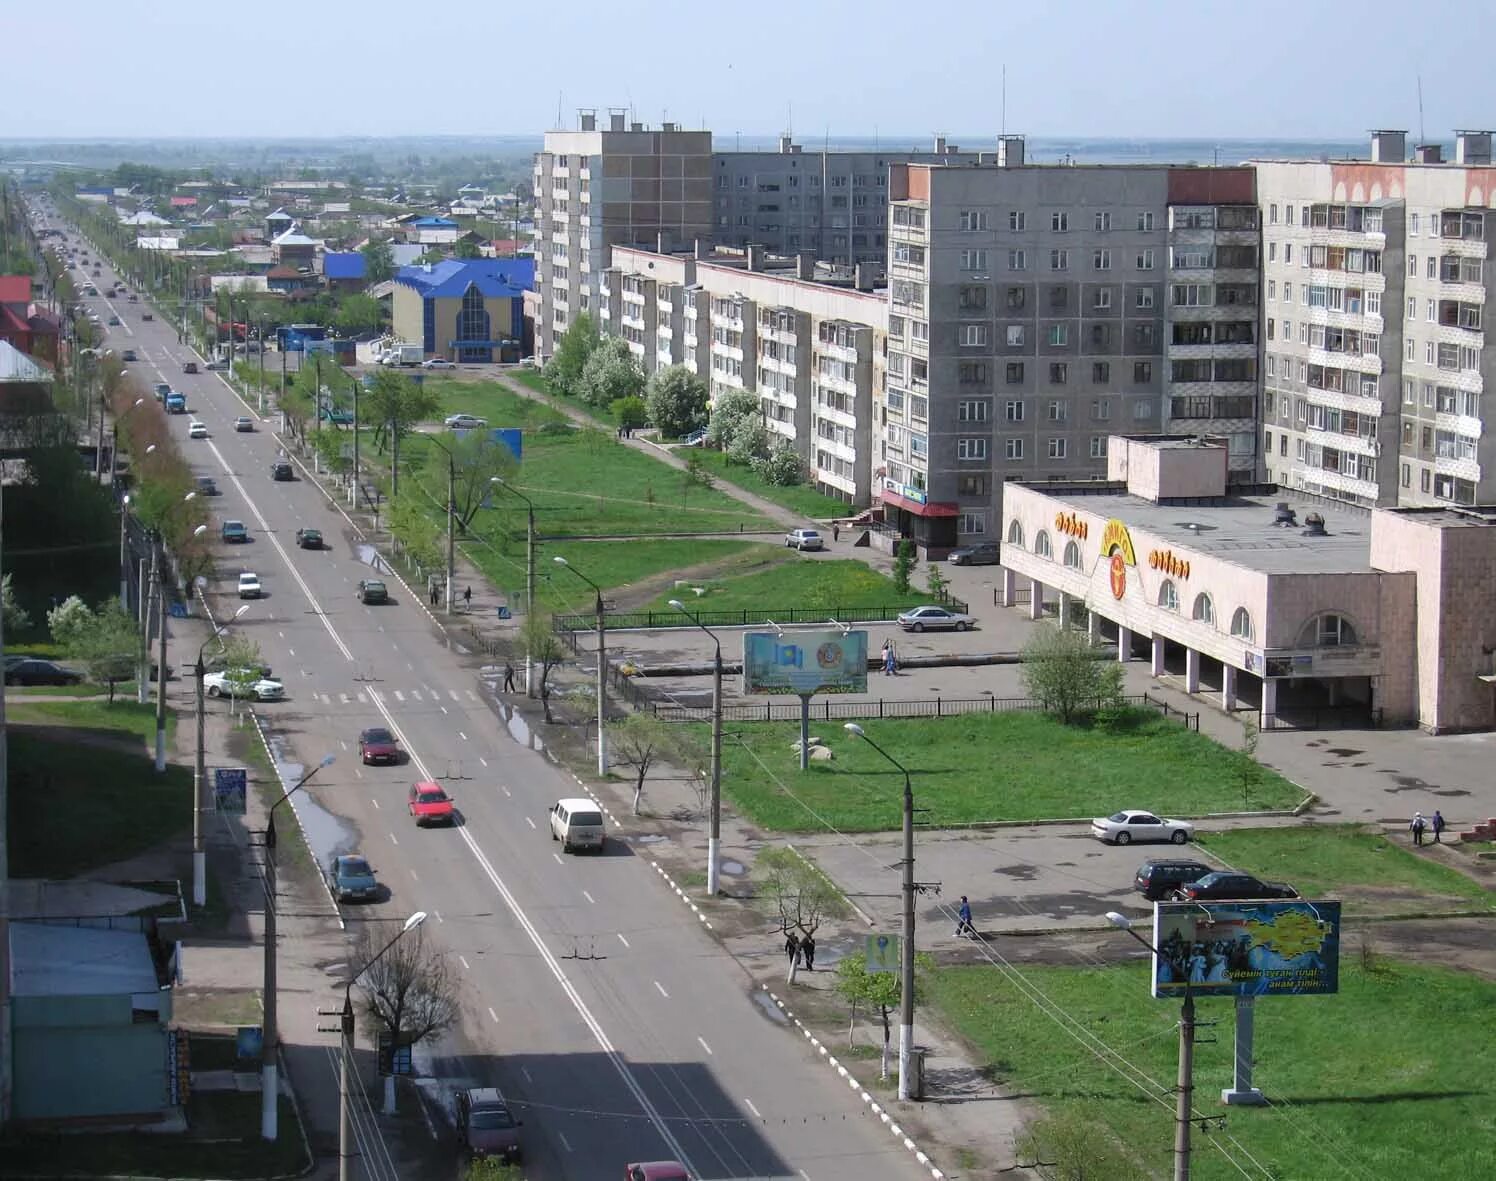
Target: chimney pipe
{"type": "Point", "coordinates": [1428, 154]}
{"type": "Point", "coordinates": [1389, 147]}
{"type": "Point", "coordinates": [940, 145]}
{"type": "Point", "coordinates": [589, 121]}
{"type": "Point", "coordinates": [755, 257]}
{"type": "Point", "coordinates": [1472, 147]}
{"type": "Point", "coordinates": [805, 265]}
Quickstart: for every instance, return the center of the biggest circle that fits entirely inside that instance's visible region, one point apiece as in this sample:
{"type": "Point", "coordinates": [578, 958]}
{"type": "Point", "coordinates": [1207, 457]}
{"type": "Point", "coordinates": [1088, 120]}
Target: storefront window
{"type": "Point", "coordinates": [1241, 624]}
{"type": "Point", "coordinates": [1072, 555]}
{"type": "Point", "coordinates": [1041, 544]}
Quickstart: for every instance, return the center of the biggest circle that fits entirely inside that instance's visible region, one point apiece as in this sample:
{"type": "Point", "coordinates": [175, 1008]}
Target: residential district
{"type": "Point", "coordinates": [653, 660]}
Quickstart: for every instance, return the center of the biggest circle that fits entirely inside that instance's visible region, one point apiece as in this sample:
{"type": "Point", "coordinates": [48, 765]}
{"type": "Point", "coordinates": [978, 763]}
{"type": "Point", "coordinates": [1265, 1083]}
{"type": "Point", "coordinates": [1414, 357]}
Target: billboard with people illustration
{"type": "Point", "coordinates": [1276, 948]}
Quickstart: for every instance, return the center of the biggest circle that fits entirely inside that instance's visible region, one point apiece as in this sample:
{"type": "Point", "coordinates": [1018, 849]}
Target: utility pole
{"type": "Point", "coordinates": [357, 384]}
{"type": "Point", "coordinates": [714, 834]}
{"type": "Point", "coordinates": [6, 1035]}
{"type": "Point", "coordinates": [602, 663]}
{"type": "Point", "coordinates": [451, 529]}
{"type": "Point", "coordinates": [1184, 1088]}
{"type": "Point", "coordinates": [161, 677]}
{"type": "Point", "coordinates": [529, 573]}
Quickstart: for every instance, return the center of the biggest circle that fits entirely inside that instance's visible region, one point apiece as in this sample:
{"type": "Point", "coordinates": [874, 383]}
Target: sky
{"type": "Point", "coordinates": [1281, 69]}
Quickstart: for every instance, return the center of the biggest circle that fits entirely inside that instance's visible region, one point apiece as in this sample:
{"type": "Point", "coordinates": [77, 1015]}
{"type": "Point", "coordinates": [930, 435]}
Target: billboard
{"type": "Point", "coordinates": [1280, 948]}
{"type": "Point", "coordinates": [230, 785]}
{"type": "Point", "coordinates": [805, 662]}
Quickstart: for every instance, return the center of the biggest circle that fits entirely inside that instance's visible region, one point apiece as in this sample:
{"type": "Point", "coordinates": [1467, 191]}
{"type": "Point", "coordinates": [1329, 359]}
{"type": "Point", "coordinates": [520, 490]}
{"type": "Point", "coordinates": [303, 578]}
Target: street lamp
{"type": "Point", "coordinates": [906, 950]}
{"type": "Point", "coordinates": [451, 515]}
{"type": "Point", "coordinates": [124, 567]}
{"type": "Point", "coordinates": [269, 1084]}
{"type": "Point", "coordinates": [200, 774]}
{"type": "Point", "coordinates": [114, 436]}
{"type": "Point", "coordinates": [602, 663]}
{"type": "Point", "coordinates": [529, 572]}
{"type": "Point", "coordinates": [714, 834]}
{"type": "Point", "coordinates": [344, 1155]}
{"type": "Point", "coordinates": [1185, 1080]}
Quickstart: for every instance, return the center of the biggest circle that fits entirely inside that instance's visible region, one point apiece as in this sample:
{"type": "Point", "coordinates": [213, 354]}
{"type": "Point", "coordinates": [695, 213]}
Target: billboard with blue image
{"type": "Point", "coordinates": [805, 662]}
{"type": "Point", "coordinates": [1249, 948]}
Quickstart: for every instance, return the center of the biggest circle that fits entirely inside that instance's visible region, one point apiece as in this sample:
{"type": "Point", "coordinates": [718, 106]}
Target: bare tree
{"type": "Point", "coordinates": [545, 651]}
{"type": "Point", "coordinates": [802, 896]}
{"type": "Point", "coordinates": [410, 994]}
{"type": "Point", "coordinates": [642, 740]}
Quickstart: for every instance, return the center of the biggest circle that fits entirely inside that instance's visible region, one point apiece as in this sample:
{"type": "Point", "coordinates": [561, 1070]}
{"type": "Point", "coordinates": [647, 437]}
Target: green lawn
{"type": "Point", "coordinates": [501, 406]}
{"type": "Point", "coordinates": [1389, 1078]}
{"type": "Point", "coordinates": [122, 689]}
{"type": "Point", "coordinates": [1336, 859]}
{"type": "Point", "coordinates": [123, 719]}
{"type": "Point", "coordinates": [804, 582]}
{"type": "Point", "coordinates": [74, 807]}
{"type": "Point", "coordinates": [991, 766]}
{"type": "Point", "coordinates": [802, 498]}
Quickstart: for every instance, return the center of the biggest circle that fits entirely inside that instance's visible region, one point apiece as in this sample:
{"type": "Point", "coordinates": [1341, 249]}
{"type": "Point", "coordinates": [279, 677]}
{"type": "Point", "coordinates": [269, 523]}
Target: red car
{"type": "Point", "coordinates": [429, 804]}
{"type": "Point", "coordinates": [378, 745]}
{"type": "Point", "coordinates": [660, 1170]}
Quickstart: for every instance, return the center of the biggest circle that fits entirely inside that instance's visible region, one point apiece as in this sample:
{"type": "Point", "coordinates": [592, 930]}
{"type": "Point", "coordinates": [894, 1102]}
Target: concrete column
{"type": "Point", "coordinates": [1093, 627]}
{"type": "Point", "coordinates": [1269, 703]}
{"type": "Point", "coordinates": [1158, 656]}
{"type": "Point", "coordinates": [1036, 599]}
{"type": "Point", "coordinates": [1124, 643]}
{"type": "Point", "coordinates": [1332, 692]}
{"type": "Point", "coordinates": [1228, 688]}
{"type": "Point", "coordinates": [1007, 588]}
{"type": "Point", "coordinates": [1191, 670]}
{"type": "Point", "coordinates": [1065, 602]}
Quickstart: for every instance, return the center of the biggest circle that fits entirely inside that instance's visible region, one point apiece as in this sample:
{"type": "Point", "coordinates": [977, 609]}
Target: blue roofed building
{"type": "Point", "coordinates": [344, 270]}
{"type": "Point", "coordinates": [464, 309]}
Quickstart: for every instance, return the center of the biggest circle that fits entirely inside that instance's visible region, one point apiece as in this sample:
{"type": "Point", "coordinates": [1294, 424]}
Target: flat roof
{"type": "Point", "coordinates": [1480, 516]}
{"type": "Point", "coordinates": [1240, 529]}
{"type": "Point", "coordinates": [79, 961]}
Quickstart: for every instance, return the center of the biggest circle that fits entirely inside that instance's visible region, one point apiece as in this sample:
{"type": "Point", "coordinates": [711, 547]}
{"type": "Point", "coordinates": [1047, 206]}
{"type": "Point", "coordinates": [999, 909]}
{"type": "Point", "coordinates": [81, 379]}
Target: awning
{"type": "Point", "coordinates": [927, 509]}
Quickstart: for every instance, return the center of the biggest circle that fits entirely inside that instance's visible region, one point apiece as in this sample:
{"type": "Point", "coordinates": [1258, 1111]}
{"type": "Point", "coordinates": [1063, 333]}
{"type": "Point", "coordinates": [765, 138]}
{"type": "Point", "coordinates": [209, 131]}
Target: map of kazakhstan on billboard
{"type": "Point", "coordinates": [1282, 948]}
{"type": "Point", "coordinates": [805, 662]}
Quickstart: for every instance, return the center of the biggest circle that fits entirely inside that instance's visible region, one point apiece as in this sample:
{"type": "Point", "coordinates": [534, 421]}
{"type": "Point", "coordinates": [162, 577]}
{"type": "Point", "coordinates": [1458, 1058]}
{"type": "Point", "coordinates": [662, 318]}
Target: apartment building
{"type": "Point", "coordinates": [1034, 311]}
{"type": "Point", "coordinates": [597, 186]}
{"type": "Point", "coordinates": [1376, 358]}
{"type": "Point", "coordinates": [808, 339]}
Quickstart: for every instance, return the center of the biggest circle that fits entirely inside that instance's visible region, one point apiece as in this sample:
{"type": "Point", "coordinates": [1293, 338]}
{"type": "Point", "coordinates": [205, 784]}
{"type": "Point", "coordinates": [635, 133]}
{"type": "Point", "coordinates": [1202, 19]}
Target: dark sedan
{"type": "Point", "coordinates": [378, 745]}
{"type": "Point", "coordinates": [984, 554]}
{"type": "Point", "coordinates": [1224, 884]}
{"type": "Point", "coordinates": [40, 672]}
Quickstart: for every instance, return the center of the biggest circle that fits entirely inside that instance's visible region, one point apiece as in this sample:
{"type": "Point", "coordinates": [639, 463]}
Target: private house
{"type": "Point", "coordinates": [344, 270]}
{"type": "Point", "coordinates": [23, 324]}
{"type": "Point", "coordinates": [295, 249]}
{"type": "Point", "coordinates": [25, 385]}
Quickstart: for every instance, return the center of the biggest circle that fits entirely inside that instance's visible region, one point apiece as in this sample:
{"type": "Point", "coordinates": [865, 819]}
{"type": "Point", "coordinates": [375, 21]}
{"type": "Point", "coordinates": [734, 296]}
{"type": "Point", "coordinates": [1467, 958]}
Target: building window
{"type": "Point", "coordinates": [1101, 260]}
{"type": "Point", "coordinates": [1058, 411]}
{"type": "Point", "coordinates": [1101, 372]}
{"type": "Point", "coordinates": [1102, 298]}
{"type": "Point", "coordinates": [973, 219]}
{"type": "Point", "coordinates": [1103, 222]}
{"type": "Point", "coordinates": [1145, 298]}
{"type": "Point", "coordinates": [1059, 336]}
{"type": "Point", "coordinates": [1101, 410]}
{"type": "Point", "coordinates": [1013, 448]}
{"type": "Point", "coordinates": [1017, 221]}
{"type": "Point", "coordinates": [973, 523]}
{"type": "Point", "coordinates": [1168, 595]}
{"type": "Point", "coordinates": [1042, 547]}
{"type": "Point", "coordinates": [1241, 619]}
{"type": "Point", "coordinates": [1098, 446]}
{"type": "Point", "coordinates": [1204, 609]}
{"type": "Point", "coordinates": [1015, 336]}
{"type": "Point", "coordinates": [1017, 260]}
{"type": "Point", "coordinates": [974, 411]}
{"type": "Point", "coordinates": [1145, 260]}
{"type": "Point", "coordinates": [1015, 534]}
{"type": "Point", "coordinates": [973, 260]}
{"type": "Point", "coordinates": [1059, 373]}
{"type": "Point", "coordinates": [1072, 555]}
{"type": "Point", "coordinates": [1328, 631]}
{"type": "Point", "coordinates": [1016, 298]}
{"type": "Point", "coordinates": [1145, 224]}
{"type": "Point", "coordinates": [1142, 372]}
{"type": "Point", "coordinates": [1013, 410]}
{"type": "Point", "coordinates": [1142, 409]}
{"type": "Point", "coordinates": [973, 335]}
{"type": "Point", "coordinates": [971, 449]}
{"type": "Point", "coordinates": [971, 486]}
{"type": "Point", "coordinates": [1059, 260]}
{"type": "Point", "coordinates": [1059, 223]}
{"type": "Point", "coordinates": [1015, 373]}
{"type": "Point", "coordinates": [1056, 448]}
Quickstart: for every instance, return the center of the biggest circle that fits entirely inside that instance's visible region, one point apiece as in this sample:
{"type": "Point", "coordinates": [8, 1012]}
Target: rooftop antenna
{"type": "Point", "coordinates": [560, 98]}
{"type": "Point", "coordinates": [1420, 109]}
{"type": "Point", "coordinates": [1004, 115]}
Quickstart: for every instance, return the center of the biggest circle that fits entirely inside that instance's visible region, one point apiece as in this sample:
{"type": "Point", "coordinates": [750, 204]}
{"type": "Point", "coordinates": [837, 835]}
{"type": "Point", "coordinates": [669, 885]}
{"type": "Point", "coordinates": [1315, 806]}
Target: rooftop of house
{"type": "Point", "coordinates": [51, 961]}
{"type": "Point", "coordinates": [344, 265]}
{"type": "Point", "coordinates": [494, 277]}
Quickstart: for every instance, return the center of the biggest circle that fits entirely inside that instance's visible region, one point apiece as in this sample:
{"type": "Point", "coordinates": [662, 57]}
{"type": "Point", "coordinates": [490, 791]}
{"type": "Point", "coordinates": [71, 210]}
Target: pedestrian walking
{"type": "Point", "coordinates": [808, 950]}
{"type": "Point", "coordinates": [963, 920]}
{"type": "Point", "coordinates": [433, 594]}
{"type": "Point", "coordinates": [792, 948]}
{"type": "Point", "coordinates": [467, 598]}
{"type": "Point", "coordinates": [887, 658]}
{"type": "Point", "coordinates": [508, 677]}
{"type": "Point", "coordinates": [1438, 826]}
{"type": "Point", "coordinates": [835, 531]}
{"type": "Point", "coordinates": [1418, 825]}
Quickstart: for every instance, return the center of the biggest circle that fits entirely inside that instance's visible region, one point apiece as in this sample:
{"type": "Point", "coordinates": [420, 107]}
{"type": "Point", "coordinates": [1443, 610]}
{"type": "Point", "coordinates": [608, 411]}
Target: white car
{"type": "Point", "coordinates": [438, 363]}
{"type": "Point", "coordinates": [804, 539]}
{"type": "Point", "coordinates": [464, 422]}
{"type": "Point", "coordinates": [198, 430]}
{"type": "Point", "coordinates": [249, 585]}
{"type": "Point", "coordinates": [933, 618]}
{"type": "Point", "coordinates": [1122, 828]}
{"type": "Point", "coordinates": [243, 683]}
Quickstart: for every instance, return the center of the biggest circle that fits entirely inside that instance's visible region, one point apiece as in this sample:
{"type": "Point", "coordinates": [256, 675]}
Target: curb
{"type": "Point", "coordinates": [857, 910]}
{"type": "Point", "coordinates": [872, 1104]}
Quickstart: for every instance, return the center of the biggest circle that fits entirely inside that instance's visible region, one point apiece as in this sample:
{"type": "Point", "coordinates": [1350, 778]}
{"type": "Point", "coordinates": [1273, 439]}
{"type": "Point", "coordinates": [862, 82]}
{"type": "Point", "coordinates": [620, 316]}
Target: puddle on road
{"type": "Point", "coordinates": [648, 838]}
{"type": "Point", "coordinates": [761, 999]}
{"type": "Point", "coordinates": [733, 868]}
{"type": "Point", "coordinates": [326, 835]}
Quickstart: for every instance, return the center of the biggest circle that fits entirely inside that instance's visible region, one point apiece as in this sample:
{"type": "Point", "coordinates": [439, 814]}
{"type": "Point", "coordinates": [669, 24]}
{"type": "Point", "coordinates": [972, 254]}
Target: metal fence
{"type": "Point", "coordinates": [747, 617]}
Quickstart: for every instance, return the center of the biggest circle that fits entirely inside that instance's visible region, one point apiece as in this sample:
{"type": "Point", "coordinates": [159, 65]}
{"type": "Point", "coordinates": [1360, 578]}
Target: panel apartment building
{"type": "Point", "coordinates": [1036, 310]}
{"type": "Point", "coordinates": [1376, 359]}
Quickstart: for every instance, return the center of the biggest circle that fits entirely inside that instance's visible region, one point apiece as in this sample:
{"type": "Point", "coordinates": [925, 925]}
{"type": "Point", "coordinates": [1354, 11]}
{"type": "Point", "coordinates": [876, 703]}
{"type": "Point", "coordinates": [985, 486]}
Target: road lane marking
{"type": "Point", "coordinates": [526, 1073]}
{"type": "Point", "coordinates": [394, 840]}
{"type": "Point", "coordinates": [493, 1016]}
{"type": "Point", "coordinates": [565, 1143]}
{"type": "Point", "coordinates": [438, 915]}
{"type": "Point", "coordinates": [375, 801]}
{"type": "Point", "coordinates": [557, 856]}
{"type": "Point", "coordinates": [621, 939]}
{"type": "Point", "coordinates": [399, 696]}
{"type": "Point", "coordinates": [661, 987]}
{"type": "Point", "coordinates": [443, 709]}
{"type": "Point", "coordinates": [363, 699]}
{"type": "Point", "coordinates": [415, 695]}
{"type": "Point", "coordinates": [357, 772]}
{"type": "Point", "coordinates": [749, 1104]}
{"type": "Point", "coordinates": [704, 1046]}
{"type": "Point", "coordinates": [530, 822]}
{"type": "Point", "coordinates": [413, 876]}
{"type": "Point", "coordinates": [471, 695]}
{"type": "Point", "coordinates": [344, 743]}
{"type": "Point", "coordinates": [461, 735]}
{"type": "Point", "coordinates": [453, 693]}
{"type": "Point", "coordinates": [343, 699]}
{"type": "Point", "coordinates": [463, 960]}
{"type": "Point", "coordinates": [484, 761]}
{"type": "Point", "coordinates": [589, 897]}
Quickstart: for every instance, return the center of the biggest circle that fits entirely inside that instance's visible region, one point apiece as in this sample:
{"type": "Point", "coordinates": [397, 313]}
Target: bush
{"type": "Point", "coordinates": [629, 412]}
{"type": "Point", "coordinates": [903, 565]}
{"type": "Point", "coordinates": [16, 617]}
{"type": "Point", "coordinates": [69, 621]}
{"type": "Point", "coordinates": [728, 412]}
{"type": "Point", "coordinates": [611, 373]}
{"type": "Point", "coordinates": [749, 441]}
{"type": "Point", "coordinates": [677, 401]}
{"type": "Point", "coordinates": [782, 467]}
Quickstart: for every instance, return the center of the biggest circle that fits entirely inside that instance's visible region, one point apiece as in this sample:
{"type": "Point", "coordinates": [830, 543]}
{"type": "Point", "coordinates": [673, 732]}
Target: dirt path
{"type": "Point", "coordinates": [637, 595]}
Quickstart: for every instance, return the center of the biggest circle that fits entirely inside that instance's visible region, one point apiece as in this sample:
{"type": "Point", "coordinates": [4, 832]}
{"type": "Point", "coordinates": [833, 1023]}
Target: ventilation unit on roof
{"type": "Point", "coordinates": [1314, 526]}
{"type": "Point", "coordinates": [1283, 516]}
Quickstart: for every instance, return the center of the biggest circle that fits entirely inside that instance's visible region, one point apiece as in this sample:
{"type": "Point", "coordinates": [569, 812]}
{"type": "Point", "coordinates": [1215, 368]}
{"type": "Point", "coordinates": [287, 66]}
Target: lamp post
{"type": "Point", "coordinates": [1184, 1085]}
{"type": "Point", "coordinates": [124, 564]}
{"type": "Point", "coordinates": [200, 774]}
{"type": "Point", "coordinates": [161, 658]}
{"type": "Point", "coordinates": [345, 1072]}
{"type": "Point", "coordinates": [602, 663]}
{"type": "Point", "coordinates": [269, 1084]}
{"type": "Point", "coordinates": [906, 949]}
{"type": "Point", "coordinates": [451, 515]}
{"type": "Point", "coordinates": [529, 572]}
{"type": "Point", "coordinates": [114, 436]}
{"type": "Point", "coordinates": [714, 834]}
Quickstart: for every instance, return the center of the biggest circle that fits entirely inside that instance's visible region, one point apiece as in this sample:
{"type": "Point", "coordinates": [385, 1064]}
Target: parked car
{"type": "Point", "coordinates": [309, 538]}
{"type": "Point", "coordinates": [146, 316]}
{"type": "Point", "coordinates": [244, 423]}
{"type": "Point", "coordinates": [128, 355]}
{"type": "Point", "coordinates": [207, 486]}
{"type": "Point", "coordinates": [1158, 878]}
{"type": "Point", "coordinates": [577, 824]}
{"type": "Point", "coordinates": [217, 662]}
{"type": "Point", "coordinates": [984, 553]}
{"type": "Point", "coordinates": [243, 682]}
{"type": "Point", "coordinates": [134, 298]}
{"type": "Point", "coordinates": [31, 671]}
{"type": "Point", "coordinates": [371, 590]}
{"type": "Point", "coordinates": [281, 469]}
{"type": "Point", "coordinates": [189, 366]}
{"type": "Point", "coordinates": [659, 1170]}
{"type": "Point", "coordinates": [933, 618]}
{"type": "Point", "coordinates": [485, 1125]}
{"type": "Point", "coordinates": [197, 430]}
{"type": "Point", "coordinates": [429, 804]}
{"type": "Point", "coordinates": [114, 321]}
{"type": "Point", "coordinates": [438, 363]}
{"type": "Point", "coordinates": [463, 422]}
{"type": "Point", "coordinates": [249, 585]}
{"type": "Point", "coordinates": [1122, 828]}
{"type": "Point", "coordinates": [804, 539]}
{"type": "Point", "coordinates": [1226, 884]}
{"type": "Point", "coordinates": [234, 531]}
{"type": "Point", "coordinates": [218, 366]}
{"type": "Point", "coordinates": [352, 879]}
{"type": "Point", "coordinates": [378, 745]}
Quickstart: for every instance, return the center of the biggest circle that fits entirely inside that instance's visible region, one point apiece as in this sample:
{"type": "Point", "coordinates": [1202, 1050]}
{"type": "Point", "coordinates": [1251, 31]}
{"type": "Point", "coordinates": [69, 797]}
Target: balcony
{"type": "Point", "coordinates": [1367, 363]}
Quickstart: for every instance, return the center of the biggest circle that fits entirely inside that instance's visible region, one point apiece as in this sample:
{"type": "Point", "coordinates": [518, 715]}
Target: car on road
{"type": "Point", "coordinates": [134, 298]}
{"type": "Point", "coordinates": [216, 366]}
{"type": "Point", "coordinates": [244, 423]}
{"type": "Point", "coordinates": [128, 355]}
{"type": "Point", "coordinates": [804, 539]}
{"type": "Point", "coordinates": [658, 1170]}
{"type": "Point", "coordinates": [161, 389]}
{"type": "Point", "coordinates": [984, 553]}
{"type": "Point", "coordinates": [197, 430]}
{"type": "Point", "coordinates": [1129, 825]}
{"type": "Point", "coordinates": [464, 422]}
{"type": "Point", "coordinates": [249, 585]}
{"type": "Point", "coordinates": [577, 824]}
{"type": "Point", "coordinates": [429, 804]}
{"type": "Point", "coordinates": [1158, 878]}
{"type": "Point", "coordinates": [438, 363]}
{"type": "Point", "coordinates": [933, 618]}
{"type": "Point", "coordinates": [189, 366]}
{"type": "Point", "coordinates": [243, 682]}
{"type": "Point", "coordinates": [378, 745]}
{"type": "Point", "coordinates": [485, 1125]}
{"type": "Point", "coordinates": [1231, 885]}
{"type": "Point", "coordinates": [234, 531]}
{"type": "Point", "coordinates": [30, 671]}
{"type": "Point", "coordinates": [371, 590]}
{"type": "Point", "coordinates": [351, 879]}
{"type": "Point", "coordinates": [309, 538]}
{"type": "Point", "coordinates": [176, 403]}
{"type": "Point", "coordinates": [281, 469]}
{"type": "Point", "coordinates": [207, 486]}
{"type": "Point", "coordinates": [114, 321]}
{"type": "Point", "coordinates": [146, 316]}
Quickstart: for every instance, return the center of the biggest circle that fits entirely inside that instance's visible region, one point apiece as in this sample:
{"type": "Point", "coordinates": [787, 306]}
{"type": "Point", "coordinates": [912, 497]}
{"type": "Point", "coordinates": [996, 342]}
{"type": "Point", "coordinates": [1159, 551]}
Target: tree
{"type": "Point", "coordinates": [782, 467]}
{"type": "Point", "coordinates": [641, 740]}
{"type": "Point", "coordinates": [69, 620]}
{"type": "Point", "coordinates": [903, 564]}
{"type": "Point", "coordinates": [476, 459]}
{"type": "Point", "coordinates": [397, 404]}
{"type": "Point", "coordinates": [935, 580]}
{"type": "Point", "coordinates": [1072, 1146]}
{"type": "Point", "coordinates": [730, 409]}
{"type": "Point", "coordinates": [490, 1168]}
{"type": "Point", "coordinates": [749, 441]}
{"type": "Point", "coordinates": [379, 260]}
{"type": "Point", "coordinates": [466, 249]}
{"type": "Point", "coordinates": [629, 412]}
{"type": "Point", "coordinates": [611, 372]}
{"type": "Point", "coordinates": [879, 991]}
{"type": "Point", "coordinates": [16, 617]}
{"type": "Point", "coordinates": [545, 651]}
{"type": "Point", "coordinates": [357, 315]}
{"type": "Point", "coordinates": [695, 475]}
{"type": "Point", "coordinates": [424, 540]}
{"type": "Point", "coordinates": [802, 896]}
{"type": "Point", "coordinates": [410, 993]}
{"type": "Point", "coordinates": [1067, 674]}
{"type": "Point", "coordinates": [563, 373]}
{"type": "Point", "coordinates": [108, 643]}
{"type": "Point", "coordinates": [677, 401]}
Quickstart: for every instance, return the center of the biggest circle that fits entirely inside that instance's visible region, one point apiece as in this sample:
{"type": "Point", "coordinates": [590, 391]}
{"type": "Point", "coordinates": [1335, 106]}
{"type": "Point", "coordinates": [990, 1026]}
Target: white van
{"type": "Point", "coordinates": [577, 824]}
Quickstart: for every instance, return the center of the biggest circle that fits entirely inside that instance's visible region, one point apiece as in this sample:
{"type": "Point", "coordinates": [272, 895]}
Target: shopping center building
{"type": "Point", "coordinates": [1307, 610]}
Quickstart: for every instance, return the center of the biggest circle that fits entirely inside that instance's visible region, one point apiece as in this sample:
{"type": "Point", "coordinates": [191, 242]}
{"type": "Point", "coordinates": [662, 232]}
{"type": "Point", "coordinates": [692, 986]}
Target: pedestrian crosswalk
{"type": "Point", "coordinates": [423, 695]}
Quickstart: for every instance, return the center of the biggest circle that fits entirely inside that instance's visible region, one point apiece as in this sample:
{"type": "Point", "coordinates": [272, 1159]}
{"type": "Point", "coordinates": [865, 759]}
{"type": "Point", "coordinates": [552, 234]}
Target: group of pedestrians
{"type": "Point", "coordinates": [1422, 824]}
{"type": "Point", "coordinates": [800, 949]}
{"type": "Point", "coordinates": [436, 596]}
{"type": "Point", "coordinates": [890, 659]}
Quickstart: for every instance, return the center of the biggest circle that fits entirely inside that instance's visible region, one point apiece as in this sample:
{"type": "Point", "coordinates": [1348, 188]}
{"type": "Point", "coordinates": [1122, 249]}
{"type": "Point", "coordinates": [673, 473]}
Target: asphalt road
{"type": "Point", "coordinates": [594, 998]}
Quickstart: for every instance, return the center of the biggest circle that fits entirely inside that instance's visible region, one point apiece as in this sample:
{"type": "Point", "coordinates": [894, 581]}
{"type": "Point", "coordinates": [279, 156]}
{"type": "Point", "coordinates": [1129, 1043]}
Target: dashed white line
{"type": "Point", "coordinates": [589, 897]}
{"type": "Point", "coordinates": [621, 939]}
{"type": "Point", "coordinates": [463, 961]}
{"type": "Point", "coordinates": [748, 1103]}
{"type": "Point", "coordinates": [460, 734]}
{"type": "Point", "coordinates": [413, 876]}
{"type": "Point", "coordinates": [343, 743]}
{"type": "Point", "coordinates": [399, 696]}
{"type": "Point", "coordinates": [438, 915]}
{"type": "Point", "coordinates": [565, 1143]}
{"type": "Point", "coordinates": [443, 708]}
{"type": "Point", "coordinates": [484, 761]}
{"type": "Point", "coordinates": [453, 694]}
{"type": "Point", "coordinates": [291, 651]}
{"type": "Point", "coordinates": [526, 1073]}
{"type": "Point", "coordinates": [357, 772]}
{"type": "Point", "coordinates": [557, 856]}
{"type": "Point", "coordinates": [494, 1017]}
{"type": "Point", "coordinates": [530, 822]}
{"type": "Point", "coordinates": [661, 987]}
{"type": "Point", "coordinates": [374, 801]}
{"type": "Point", "coordinates": [394, 840]}
{"type": "Point", "coordinates": [704, 1046]}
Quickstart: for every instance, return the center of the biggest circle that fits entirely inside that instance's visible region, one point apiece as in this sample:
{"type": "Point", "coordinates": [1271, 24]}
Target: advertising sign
{"type": "Point", "coordinates": [229, 786]}
{"type": "Point", "coordinates": [805, 662]}
{"type": "Point", "coordinates": [882, 953]}
{"type": "Point", "coordinates": [1280, 948]}
{"type": "Point", "coordinates": [393, 1059]}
